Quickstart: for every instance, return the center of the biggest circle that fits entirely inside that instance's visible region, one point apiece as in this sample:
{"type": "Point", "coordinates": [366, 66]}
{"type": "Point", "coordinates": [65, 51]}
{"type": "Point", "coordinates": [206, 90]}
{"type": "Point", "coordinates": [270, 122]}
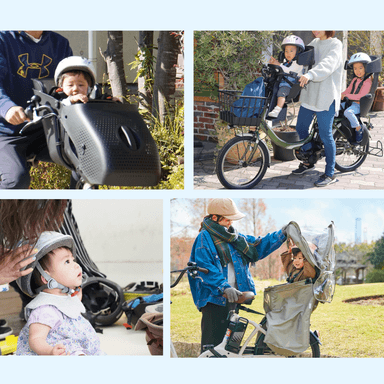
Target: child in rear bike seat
{"type": "Point", "coordinates": [55, 325]}
{"type": "Point", "coordinates": [296, 265]}
{"type": "Point", "coordinates": [292, 46]}
{"type": "Point", "coordinates": [75, 78]}
{"type": "Point", "coordinates": [359, 87]}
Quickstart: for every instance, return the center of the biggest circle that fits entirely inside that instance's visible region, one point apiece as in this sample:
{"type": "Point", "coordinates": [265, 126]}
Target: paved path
{"type": "Point", "coordinates": [369, 176]}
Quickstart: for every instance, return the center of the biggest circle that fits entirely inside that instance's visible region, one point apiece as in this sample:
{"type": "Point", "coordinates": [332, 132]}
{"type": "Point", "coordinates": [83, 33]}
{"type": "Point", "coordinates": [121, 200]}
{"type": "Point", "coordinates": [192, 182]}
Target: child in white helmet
{"type": "Point", "coordinates": [75, 77]}
{"type": "Point", "coordinates": [55, 325]}
{"type": "Point", "coordinates": [292, 46]}
{"type": "Point", "coordinates": [359, 87]}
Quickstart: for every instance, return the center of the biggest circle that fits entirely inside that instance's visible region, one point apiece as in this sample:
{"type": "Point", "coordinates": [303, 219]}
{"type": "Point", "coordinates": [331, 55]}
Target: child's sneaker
{"type": "Point", "coordinates": [359, 135]}
{"type": "Point", "coordinates": [275, 112]}
{"type": "Point", "coordinates": [303, 168]}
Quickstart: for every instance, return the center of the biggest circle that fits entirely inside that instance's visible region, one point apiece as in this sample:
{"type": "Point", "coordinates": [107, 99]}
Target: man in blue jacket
{"type": "Point", "coordinates": [24, 55]}
{"type": "Point", "coordinates": [226, 254]}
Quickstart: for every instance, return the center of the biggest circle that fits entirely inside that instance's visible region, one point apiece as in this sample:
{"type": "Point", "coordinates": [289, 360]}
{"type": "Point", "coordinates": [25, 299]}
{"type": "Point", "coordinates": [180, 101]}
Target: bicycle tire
{"type": "Point", "coordinates": [262, 349]}
{"type": "Point", "coordinates": [348, 156]}
{"type": "Point", "coordinates": [236, 169]}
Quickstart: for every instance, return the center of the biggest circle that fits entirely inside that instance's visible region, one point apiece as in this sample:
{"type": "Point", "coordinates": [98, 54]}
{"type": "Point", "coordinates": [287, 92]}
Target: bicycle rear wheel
{"type": "Point", "coordinates": [313, 350]}
{"type": "Point", "coordinates": [242, 163]}
{"type": "Point", "coordinates": [348, 156]}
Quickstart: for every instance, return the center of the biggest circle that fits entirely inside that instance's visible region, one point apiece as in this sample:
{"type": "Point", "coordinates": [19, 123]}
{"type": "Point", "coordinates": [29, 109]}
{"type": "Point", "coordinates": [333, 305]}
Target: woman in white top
{"type": "Point", "coordinates": [322, 98]}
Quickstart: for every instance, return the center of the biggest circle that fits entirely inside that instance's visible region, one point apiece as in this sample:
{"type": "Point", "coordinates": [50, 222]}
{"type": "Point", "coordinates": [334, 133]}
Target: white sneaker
{"type": "Point", "coordinates": [275, 112]}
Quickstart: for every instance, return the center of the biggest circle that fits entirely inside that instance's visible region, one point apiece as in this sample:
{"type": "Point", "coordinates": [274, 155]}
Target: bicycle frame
{"type": "Point", "coordinates": [220, 351]}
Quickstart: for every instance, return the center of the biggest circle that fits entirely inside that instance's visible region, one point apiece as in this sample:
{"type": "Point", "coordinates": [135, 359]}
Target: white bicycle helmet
{"type": "Point", "coordinates": [359, 57]}
{"type": "Point", "coordinates": [75, 63]}
{"type": "Point", "coordinates": [294, 40]}
{"type": "Point", "coordinates": [47, 242]}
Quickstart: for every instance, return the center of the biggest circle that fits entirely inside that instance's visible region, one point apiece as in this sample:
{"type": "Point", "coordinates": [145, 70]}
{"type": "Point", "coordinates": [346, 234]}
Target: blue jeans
{"type": "Point", "coordinates": [325, 121]}
{"type": "Point", "coordinates": [351, 112]}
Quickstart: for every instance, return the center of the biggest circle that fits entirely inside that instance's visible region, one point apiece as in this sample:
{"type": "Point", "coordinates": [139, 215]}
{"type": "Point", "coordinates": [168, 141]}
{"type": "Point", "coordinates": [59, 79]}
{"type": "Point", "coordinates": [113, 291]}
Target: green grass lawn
{"type": "Point", "coordinates": [346, 330]}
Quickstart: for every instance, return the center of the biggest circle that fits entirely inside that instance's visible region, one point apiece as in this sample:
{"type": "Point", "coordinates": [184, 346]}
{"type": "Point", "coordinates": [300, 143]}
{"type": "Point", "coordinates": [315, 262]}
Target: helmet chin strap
{"type": "Point", "coordinates": [52, 283]}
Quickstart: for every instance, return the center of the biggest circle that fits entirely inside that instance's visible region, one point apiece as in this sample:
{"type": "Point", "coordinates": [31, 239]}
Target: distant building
{"type": "Point", "coordinates": [351, 271]}
{"type": "Point", "coordinates": [358, 231]}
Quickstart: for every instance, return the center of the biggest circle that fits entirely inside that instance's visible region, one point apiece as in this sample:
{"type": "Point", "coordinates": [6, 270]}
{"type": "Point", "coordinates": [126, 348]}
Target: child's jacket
{"type": "Point", "coordinates": [293, 273]}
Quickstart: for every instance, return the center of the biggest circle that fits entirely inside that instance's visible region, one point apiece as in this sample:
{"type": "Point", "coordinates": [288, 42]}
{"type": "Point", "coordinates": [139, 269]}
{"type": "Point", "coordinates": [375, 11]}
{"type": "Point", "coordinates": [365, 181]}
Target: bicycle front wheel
{"type": "Point", "coordinates": [348, 156]}
{"type": "Point", "coordinates": [242, 163]}
{"type": "Point", "coordinates": [313, 350]}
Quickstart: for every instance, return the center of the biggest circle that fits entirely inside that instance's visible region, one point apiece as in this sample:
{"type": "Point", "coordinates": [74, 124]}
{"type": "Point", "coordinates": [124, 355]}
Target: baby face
{"type": "Point", "coordinates": [75, 84]}
{"type": "Point", "coordinates": [290, 52]}
{"type": "Point", "coordinates": [359, 69]}
{"type": "Point", "coordinates": [298, 260]}
{"type": "Point", "coordinates": [64, 269]}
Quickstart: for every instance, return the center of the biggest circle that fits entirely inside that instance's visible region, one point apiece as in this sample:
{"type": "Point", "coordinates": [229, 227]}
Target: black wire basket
{"type": "Point", "coordinates": [239, 110]}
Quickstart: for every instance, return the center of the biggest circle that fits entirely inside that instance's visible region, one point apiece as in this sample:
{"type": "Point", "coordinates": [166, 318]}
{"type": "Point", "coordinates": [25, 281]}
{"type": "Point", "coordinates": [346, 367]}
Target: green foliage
{"type": "Point", "coordinates": [50, 176]}
{"type": "Point", "coordinates": [376, 257]}
{"type": "Point", "coordinates": [236, 55]}
{"type": "Point", "coordinates": [145, 63]}
{"type": "Point", "coordinates": [375, 276]}
{"type": "Point", "coordinates": [169, 137]}
{"type": "Point", "coordinates": [363, 247]}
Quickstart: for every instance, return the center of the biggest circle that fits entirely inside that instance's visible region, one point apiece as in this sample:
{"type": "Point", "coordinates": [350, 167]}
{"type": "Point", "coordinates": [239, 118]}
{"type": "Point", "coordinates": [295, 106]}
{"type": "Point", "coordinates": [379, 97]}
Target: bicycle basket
{"type": "Point", "coordinates": [243, 108]}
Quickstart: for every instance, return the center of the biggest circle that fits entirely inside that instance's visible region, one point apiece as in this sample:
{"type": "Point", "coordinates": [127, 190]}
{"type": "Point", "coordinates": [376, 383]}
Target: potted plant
{"type": "Point", "coordinates": [286, 132]}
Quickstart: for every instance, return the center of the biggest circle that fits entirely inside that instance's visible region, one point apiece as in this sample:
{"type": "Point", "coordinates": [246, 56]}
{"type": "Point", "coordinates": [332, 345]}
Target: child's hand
{"type": "Point", "coordinates": [58, 350]}
{"type": "Point", "coordinates": [273, 61]}
{"type": "Point", "coordinates": [291, 244]}
{"type": "Point", "coordinates": [75, 98]}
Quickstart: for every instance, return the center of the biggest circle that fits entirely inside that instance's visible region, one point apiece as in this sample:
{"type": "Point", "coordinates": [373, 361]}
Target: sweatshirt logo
{"type": "Point", "coordinates": [41, 67]}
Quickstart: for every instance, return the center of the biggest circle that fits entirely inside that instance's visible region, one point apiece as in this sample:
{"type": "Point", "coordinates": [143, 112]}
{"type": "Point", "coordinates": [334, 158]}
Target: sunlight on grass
{"type": "Point", "coordinates": [346, 330]}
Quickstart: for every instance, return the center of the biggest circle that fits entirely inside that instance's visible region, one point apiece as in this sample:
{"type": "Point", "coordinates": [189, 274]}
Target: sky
{"type": "Point", "coordinates": [314, 213]}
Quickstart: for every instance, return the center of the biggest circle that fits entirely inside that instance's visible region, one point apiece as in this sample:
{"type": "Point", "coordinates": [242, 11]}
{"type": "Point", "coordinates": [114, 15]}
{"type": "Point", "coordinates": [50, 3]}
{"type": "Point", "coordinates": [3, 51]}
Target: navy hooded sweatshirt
{"type": "Point", "coordinates": [22, 59]}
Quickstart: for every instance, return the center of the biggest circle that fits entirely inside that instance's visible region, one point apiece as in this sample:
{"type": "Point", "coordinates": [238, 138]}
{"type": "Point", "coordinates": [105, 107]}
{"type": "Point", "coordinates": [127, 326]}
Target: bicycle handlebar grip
{"type": "Point", "coordinates": [204, 270]}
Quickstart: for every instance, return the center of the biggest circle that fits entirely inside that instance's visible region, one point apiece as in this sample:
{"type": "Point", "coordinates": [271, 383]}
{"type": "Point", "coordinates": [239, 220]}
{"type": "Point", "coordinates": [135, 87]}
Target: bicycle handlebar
{"type": "Point", "coordinates": [192, 270]}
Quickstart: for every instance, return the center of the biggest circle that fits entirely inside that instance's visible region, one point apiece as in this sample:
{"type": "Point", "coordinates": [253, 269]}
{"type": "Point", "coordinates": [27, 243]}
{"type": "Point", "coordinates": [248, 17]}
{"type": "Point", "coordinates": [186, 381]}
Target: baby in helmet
{"type": "Point", "coordinates": [75, 77]}
{"type": "Point", "coordinates": [359, 87]}
{"type": "Point", "coordinates": [55, 325]}
{"type": "Point", "coordinates": [292, 45]}
{"type": "Point", "coordinates": [296, 266]}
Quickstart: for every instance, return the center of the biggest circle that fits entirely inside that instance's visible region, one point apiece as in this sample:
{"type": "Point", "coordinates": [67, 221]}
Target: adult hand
{"type": "Point", "coordinates": [232, 294]}
{"type": "Point", "coordinates": [303, 81]}
{"type": "Point", "coordinates": [284, 229]}
{"type": "Point", "coordinates": [15, 116]}
{"type": "Point", "coordinates": [12, 262]}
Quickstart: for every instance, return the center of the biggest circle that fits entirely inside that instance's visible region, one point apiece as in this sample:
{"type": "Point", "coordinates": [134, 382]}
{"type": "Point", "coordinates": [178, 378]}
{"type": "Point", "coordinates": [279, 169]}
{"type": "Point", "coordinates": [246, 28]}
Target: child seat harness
{"type": "Point", "coordinates": [355, 92]}
{"type": "Point", "coordinates": [291, 278]}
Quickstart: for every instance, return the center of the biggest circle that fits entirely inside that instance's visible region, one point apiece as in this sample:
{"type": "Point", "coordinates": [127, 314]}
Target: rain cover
{"type": "Point", "coordinates": [288, 307]}
{"type": "Point", "coordinates": [318, 249]}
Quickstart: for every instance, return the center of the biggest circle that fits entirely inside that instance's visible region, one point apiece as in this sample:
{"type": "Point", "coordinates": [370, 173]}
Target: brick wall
{"type": "Point", "coordinates": [206, 113]}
